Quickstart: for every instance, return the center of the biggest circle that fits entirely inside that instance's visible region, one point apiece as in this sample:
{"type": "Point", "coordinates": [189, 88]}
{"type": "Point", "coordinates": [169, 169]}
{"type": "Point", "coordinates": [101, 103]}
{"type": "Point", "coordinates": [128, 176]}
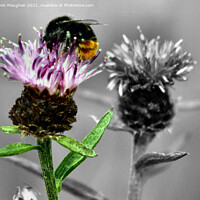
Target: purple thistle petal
{"type": "Point", "coordinates": [20, 44]}
{"type": "Point", "coordinates": [75, 70]}
{"type": "Point", "coordinates": [50, 72]}
{"type": "Point", "coordinates": [39, 67]}
{"type": "Point", "coordinates": [41, 37]}
{"type": "Point", "coordinates": [9, 60]}
{"type": "Point", "coordinates": [94, 58]}
{"type": "Point", "coordinates": [10, 42]}
{"type": "Point", "coordinates": [4, 67]}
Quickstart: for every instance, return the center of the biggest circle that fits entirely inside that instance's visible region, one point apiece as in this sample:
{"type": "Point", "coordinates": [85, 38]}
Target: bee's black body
{"type": "Point", "coordinates": [64, 29]}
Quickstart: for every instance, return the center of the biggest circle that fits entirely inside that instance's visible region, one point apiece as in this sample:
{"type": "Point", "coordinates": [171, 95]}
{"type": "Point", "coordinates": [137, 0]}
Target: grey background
{"type": "Point", "coordinates": [172, 20]}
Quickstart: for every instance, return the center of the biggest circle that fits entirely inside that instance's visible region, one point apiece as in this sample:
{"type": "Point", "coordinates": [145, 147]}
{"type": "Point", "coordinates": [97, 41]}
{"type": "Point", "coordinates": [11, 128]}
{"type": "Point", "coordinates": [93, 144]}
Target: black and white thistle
{"type": "Point", "coordinates": [142, 71]}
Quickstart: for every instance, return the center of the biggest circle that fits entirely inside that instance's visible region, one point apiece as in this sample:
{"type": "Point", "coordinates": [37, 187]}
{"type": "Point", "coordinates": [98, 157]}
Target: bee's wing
{"type": "Point", "coordinates": [89, 21]}
{"type": "Point", "coordinates": [85, 21]}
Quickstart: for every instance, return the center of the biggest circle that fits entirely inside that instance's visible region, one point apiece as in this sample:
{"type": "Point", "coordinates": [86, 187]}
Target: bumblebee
{"type": "Point", "coordinates": [64, 29]}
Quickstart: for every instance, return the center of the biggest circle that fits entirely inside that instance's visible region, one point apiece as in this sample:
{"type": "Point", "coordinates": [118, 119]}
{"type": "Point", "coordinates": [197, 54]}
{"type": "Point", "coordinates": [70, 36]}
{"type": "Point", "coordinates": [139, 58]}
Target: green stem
{"type": "Point", "coordinates": [46, 162]}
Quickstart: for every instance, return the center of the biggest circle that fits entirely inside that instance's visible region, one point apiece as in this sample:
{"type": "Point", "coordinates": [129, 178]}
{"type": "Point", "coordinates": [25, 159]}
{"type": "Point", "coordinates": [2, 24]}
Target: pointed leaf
{"type": "Point", "coordinates": [16, 149]}
{"type": "Point", "coordinates": [177, 145]}
{"type": "Point", "coordinates": [151, 159]}
{"type": "Point", "coordinates": [73, 160]}
{"type": "Point", "coordinates": [10, 129]}
{"type": "Point", "coordinates": [74, 146]}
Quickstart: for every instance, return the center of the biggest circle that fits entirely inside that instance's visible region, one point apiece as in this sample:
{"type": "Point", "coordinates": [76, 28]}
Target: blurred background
{"type": "Point", "coordinates": [108, 173]}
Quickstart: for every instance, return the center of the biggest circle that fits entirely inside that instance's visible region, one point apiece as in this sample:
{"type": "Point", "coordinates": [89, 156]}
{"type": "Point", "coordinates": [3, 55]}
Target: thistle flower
{"type": "Point", "coordinates": [142, 72]}
{"type": "Point", "coordinates": [46, 105]}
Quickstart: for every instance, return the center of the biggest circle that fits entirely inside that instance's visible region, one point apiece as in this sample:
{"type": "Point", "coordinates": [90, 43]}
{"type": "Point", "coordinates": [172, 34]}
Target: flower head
{"type": "Point", "coordinates": [35, 65]}
{"type": "Point", "coordinates": [144, 63]}
{"type": "Point", "coordinates": [142, 72]}
{"type": "Point", "coordinates": [51, 77]}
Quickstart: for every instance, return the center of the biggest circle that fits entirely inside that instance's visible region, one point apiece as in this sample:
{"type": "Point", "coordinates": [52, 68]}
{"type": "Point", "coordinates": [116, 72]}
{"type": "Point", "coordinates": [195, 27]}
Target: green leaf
{"type": "Point", "coordinates": [16, 149]}
{"type": "Point", "coordinates": [74, 146]}
{"type": "Point", "coordinates": [73, 160]}
{"type": "Point", "coordinates": [10, 129]}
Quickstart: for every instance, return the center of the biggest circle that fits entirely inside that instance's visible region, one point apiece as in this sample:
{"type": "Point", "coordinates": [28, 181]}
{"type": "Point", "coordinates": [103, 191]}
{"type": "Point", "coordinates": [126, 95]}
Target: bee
{"type": "Point", "coordinates": [64, 29]}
